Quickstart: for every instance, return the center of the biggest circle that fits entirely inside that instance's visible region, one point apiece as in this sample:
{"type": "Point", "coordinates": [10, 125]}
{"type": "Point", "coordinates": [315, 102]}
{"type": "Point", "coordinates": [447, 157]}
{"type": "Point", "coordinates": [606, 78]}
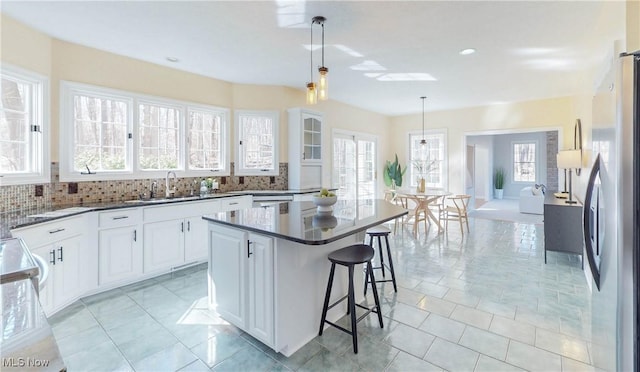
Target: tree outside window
{"type": "Point", "coordinates": [524, 162]}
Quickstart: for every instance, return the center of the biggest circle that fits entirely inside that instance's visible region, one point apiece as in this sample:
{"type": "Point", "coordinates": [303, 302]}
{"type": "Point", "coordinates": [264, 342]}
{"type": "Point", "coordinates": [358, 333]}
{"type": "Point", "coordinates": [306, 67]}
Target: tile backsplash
{"type": "Point", "coordinates": [56, 193]}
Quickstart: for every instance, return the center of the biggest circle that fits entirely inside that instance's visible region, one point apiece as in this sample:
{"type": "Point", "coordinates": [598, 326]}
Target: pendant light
{"type": "Point", "coordinates": [312, 93]}
{"type": "Point", "coordinates": [323, 83]}
{"type": "Point", "coordinates": [423, 141]}
{"type": "Point", "coordinates": [320, 90]}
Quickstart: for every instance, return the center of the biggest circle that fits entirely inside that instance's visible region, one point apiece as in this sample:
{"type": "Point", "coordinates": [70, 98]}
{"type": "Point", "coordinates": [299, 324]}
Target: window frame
{"type": "Point", "coordinates": [536, 161]}
{"type": "Point", "coordinates": [239, 169]}
{"type": "Point", "coordinates": [442, 133]}
{"type": "Point", "coordinates": [39, 148]}
{"type": "Point", "coordinates": [133, 170]}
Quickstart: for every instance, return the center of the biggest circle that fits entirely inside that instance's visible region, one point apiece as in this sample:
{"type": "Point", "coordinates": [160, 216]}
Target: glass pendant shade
{"type": "Point", "coordinates": [312, 94]}
{"type": "Point", "coordinates": [323, 84]}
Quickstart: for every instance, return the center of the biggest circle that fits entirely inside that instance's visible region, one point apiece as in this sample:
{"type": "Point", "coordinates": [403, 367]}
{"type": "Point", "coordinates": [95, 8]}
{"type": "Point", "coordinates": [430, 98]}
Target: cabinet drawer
{"type": "Point", "coordinates": [119, 217]}
{"type": "Point", "coordinates": [235, 203]}
{"type": "Point", "coordinates": [44, 233]}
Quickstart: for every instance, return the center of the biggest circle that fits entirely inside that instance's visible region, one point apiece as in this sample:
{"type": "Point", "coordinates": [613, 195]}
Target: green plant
{"type": "Point", "coordinates": [393, 173]}
{"type": "Point", "coordinates": [498, 179]}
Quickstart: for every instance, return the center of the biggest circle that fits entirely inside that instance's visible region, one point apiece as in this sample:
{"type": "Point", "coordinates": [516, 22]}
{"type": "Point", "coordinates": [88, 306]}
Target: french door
{"type": "Point", "coordinates": [354, 165]}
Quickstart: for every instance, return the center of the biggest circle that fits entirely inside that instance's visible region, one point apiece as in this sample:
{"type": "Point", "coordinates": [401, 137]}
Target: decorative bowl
{"type": "Point", "coordinates": [324, 204]}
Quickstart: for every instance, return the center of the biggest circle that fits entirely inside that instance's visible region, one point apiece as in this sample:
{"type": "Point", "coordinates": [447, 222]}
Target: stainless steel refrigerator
{"type": "Point", "coordinates": [611, 221]}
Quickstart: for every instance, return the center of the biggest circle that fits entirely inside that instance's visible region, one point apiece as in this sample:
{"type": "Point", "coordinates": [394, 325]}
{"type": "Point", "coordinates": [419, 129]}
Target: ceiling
{"type": "Point", "coordinates": [525, 50]}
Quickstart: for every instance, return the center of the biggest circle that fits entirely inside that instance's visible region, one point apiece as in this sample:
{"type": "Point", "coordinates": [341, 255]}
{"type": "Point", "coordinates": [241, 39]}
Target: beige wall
{"type": "Point", "coordinates": [65, 61]}
{"type": "Point", "coordinates": [61, 60]}
{"type": "Point", "coordinates": [542, 114]}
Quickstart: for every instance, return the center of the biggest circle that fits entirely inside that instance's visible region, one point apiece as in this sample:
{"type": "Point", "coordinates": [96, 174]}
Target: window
{"type": "Point", "coordinates": [24, 127]}
{"type": "Point", "coordinates": [427, 161]}
{"type": "Point", "coordinates": [109, 134]}
{"type": "Point", "coordinates": [206, 139]}
{"type": "Point", "coordinates": [257, 134]}
{"type": "Point", "coordinates": [100, 127]}
{"type": "Point", "coordinates": [524, 162]}
{"type": "Point", "coordinates": [159, 136]}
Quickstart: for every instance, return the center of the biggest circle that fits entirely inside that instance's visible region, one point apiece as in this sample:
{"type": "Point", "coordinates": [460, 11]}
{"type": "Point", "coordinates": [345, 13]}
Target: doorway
{"type": "Point", "coordinates": [354, 165]}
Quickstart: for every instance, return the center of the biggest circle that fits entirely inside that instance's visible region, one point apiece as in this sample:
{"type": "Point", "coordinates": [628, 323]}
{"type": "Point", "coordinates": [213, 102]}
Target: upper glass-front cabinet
{"type": "Point", "coordinates": [305, 149]}
{"type": "Point", "coordinates": [312, 138]}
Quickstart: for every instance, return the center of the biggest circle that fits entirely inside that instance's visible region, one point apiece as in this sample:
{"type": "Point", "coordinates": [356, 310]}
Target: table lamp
{"type": "Point", "coordinates": [569, 159]}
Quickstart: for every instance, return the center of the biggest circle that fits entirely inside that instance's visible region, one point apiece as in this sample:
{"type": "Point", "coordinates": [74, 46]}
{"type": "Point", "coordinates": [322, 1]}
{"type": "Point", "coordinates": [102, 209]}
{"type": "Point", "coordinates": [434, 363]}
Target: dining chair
{"type": "Point", "coordinates": [438, 208]}
{"type": "Point", "coordinates": [457, 211]}
{"type": "Point", "coordinates": [416, 213]}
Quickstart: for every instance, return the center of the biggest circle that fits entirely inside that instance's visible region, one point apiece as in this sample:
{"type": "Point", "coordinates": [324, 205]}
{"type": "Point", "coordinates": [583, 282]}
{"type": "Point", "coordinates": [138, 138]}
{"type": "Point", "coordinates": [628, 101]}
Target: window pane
{"type": "Point", "coordinates": [159, 128]}
{"type": "Point", "coordinates": [524, 162]}
{"type": "Point", "coordinates": [205, 136]}
{"type": "Point", "coordinates": [15, 121]}
{"type": "Point", "coordinates": [426, 160]}
{"type": "Point", "coordinates": [100, 133]}
{"type": "Point", "coordinates": [257, 147]}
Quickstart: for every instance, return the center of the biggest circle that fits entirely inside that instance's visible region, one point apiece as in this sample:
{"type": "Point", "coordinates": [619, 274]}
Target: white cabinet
{"type": "Point", "coordinates": [242, 271]}
{"type": "Point", "coordinates": [305, 149]}
{"type": "Point", "coordinates": [71, 268]}
{"type": "Point", "coordinates": [163, 245]}
{"type": "Point", "coordinates": [176, 234]}
{"type": "Point", "coordinates": [119, 248]}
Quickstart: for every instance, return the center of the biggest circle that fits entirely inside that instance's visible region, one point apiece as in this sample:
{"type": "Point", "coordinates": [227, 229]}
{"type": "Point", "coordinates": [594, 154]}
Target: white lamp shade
{"type": "Point", "coordinates": [569, 159]}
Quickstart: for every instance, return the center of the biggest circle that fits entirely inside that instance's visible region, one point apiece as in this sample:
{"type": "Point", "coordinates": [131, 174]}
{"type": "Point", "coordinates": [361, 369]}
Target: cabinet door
{"type": "Point", "coordinates": [260, 287]}
{"type": "Point", "coordinates": [195, 239]}
{"type": "Point", "coordinates": [46, 291]}
{"type": "Point", "coordinates": [67, 278]}
{"type": "Point", "coordinates": [311, 138]}
{"type": "Point", "coordinates": [163, 245]}
{"type": "Point", "coordinates": [120, 255]}
{"type": "Point", "coordinates": [229, 251]}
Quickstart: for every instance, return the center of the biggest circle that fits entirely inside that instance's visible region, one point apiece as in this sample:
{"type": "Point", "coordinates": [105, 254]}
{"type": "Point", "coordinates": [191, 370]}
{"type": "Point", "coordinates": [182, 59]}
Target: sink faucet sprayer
{"type": "Point", "coordinates": [169, 192]}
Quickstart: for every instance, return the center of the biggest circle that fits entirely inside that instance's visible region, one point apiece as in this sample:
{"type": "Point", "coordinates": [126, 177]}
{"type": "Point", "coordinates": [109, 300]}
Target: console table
{"type": "Point", "coordinates": [562, 227]}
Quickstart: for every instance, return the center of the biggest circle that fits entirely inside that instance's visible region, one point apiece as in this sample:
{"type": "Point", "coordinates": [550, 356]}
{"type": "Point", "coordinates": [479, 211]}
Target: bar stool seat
{"type": "Point", "coordinates": [378, 232]}
{"type": "Point", "coordinates": [349, 257]}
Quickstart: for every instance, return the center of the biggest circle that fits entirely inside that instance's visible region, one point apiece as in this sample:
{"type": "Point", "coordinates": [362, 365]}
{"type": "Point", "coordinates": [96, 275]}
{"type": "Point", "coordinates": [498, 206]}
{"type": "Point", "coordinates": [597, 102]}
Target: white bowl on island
{"type": "Point", "coordinates": [324, 203]}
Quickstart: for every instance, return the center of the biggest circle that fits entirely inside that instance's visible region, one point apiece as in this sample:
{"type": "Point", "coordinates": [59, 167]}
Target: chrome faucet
{"type": "Point", "coordinates": [169, 192]}
{"type": "Point", "coordinates": [154, 190]}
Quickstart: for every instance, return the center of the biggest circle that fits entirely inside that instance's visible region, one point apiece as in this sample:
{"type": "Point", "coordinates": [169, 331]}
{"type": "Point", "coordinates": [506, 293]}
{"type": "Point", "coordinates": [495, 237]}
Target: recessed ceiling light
{"type": "Point", "coordinates": [467, 51]}
{"type": "Point", "coordinates": [172, 59]}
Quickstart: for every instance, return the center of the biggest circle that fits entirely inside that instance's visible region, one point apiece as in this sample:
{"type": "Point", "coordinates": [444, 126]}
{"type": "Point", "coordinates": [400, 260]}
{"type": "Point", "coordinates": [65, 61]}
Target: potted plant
{"type": "Point", "coordinates": [393, 173]}
{"type": "Point", "coordinates": [498, 183]}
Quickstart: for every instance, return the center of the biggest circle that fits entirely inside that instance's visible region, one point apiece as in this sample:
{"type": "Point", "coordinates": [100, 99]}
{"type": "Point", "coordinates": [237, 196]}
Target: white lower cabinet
{"type": "Point", "coordinates": [119, 246]}
{"type": "Point", "coordinates": [242, 271]}
{"type": "Point", "coordinates": [195, 239]}
{"type": "Point", "coordinates": [119, 254]}
{"type": "Point", "coordinates": [65, 248]}
{"type": "Point", "coordinates": [163, 245]}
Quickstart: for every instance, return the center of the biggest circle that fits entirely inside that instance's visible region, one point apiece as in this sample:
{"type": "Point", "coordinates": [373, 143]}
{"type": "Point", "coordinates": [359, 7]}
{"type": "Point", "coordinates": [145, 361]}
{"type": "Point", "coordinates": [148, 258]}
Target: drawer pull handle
{"type": "Point", "coordinates": [55, 231]}
{"type": "Point", "coordinates": [234, 203]}
{"type": "Point", "coordinates": [181, 226]}
{"type": "Point", "coordinates": [119, 217]}
{"type": "Point", "coordinates": [188, 225]}
{"type": "Point", "coordinates": [249, 253]}
{"type": "Point", "coordinates": [52, 253]}
{"type": "Point", "coordinates": [60, 251]}
{"type": "Point", "coordinates": [135, 235]}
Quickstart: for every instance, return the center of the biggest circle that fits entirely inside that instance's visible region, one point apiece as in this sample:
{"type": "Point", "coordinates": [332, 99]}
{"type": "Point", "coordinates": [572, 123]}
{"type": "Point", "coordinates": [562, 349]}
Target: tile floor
{"type": "Point", "coordinates": [482, 302]}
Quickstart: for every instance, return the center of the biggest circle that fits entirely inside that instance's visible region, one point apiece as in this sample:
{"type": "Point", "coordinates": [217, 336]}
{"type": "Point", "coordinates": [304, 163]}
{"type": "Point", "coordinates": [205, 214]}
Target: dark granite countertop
{"type": "Point", "coordinates": [299, 221]}
{"type": "Point", "coordinates": [27, 217]}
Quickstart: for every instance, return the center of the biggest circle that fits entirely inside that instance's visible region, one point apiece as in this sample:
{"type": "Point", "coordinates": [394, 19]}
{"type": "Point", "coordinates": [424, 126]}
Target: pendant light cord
{"type": "Point", "coordinates": [322, 44]}
{"type": "Point", "coordinates": [311, 49]}
{"type": "Point", "coordinates": [423, 98]}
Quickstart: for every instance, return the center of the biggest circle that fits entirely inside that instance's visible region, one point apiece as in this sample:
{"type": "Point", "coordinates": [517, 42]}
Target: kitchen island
{"type": "Point", "coordinates": [268, 266]}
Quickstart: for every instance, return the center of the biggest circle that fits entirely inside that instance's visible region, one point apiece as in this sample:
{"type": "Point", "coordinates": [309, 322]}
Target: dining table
{"type": "Point", "coordinates": [423, 200]}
